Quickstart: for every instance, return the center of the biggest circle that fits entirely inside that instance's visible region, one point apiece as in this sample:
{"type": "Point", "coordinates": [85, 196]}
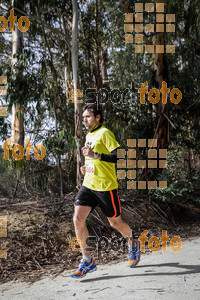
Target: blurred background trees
{"type": "Point", "coordinates": [40, 78]}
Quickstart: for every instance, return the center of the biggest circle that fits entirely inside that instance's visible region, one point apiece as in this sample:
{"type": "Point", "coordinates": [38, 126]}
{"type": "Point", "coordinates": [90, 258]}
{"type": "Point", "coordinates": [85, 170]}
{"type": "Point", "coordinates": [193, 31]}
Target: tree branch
{"type": "Point", "coordinates": [125, 8]}
{"type": "Point", "coordinates": [38, 20]}
{"type": "Point", "coordinates": [3, 54]}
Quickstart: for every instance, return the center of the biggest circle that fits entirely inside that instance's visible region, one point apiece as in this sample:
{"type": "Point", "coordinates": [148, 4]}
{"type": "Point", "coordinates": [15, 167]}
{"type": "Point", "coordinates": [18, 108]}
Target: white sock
{"type": "Point", "coordinates": [88, 258]}
{"type": "Point", "coordinates": [130, 247]}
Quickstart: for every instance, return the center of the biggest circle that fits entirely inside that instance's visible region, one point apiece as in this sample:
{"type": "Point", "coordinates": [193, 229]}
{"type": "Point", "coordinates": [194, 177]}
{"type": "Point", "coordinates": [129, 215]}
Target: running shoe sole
{"type": "Point", "coordinates": [84, 274]}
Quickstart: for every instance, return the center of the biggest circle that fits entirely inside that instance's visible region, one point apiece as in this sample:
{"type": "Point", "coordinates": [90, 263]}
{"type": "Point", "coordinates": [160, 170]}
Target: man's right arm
{"type": "Point", "coordinates": [83, 169]}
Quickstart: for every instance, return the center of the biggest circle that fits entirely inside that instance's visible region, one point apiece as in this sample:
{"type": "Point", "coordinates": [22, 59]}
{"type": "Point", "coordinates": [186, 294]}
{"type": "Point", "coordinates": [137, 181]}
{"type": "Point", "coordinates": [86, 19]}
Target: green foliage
{"type": "Point", "coordinates": [182, 185]}
{"type": "Point", "coordinates": [11, 164]}
{"type": "Point", "coordinates": [180, 188]}
{"type": "Point", "coordinates": [45, 62]}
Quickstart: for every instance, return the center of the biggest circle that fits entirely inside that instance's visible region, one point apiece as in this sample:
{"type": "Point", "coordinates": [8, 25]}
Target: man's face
{"type": "Point", "coordinates": [90, 121]}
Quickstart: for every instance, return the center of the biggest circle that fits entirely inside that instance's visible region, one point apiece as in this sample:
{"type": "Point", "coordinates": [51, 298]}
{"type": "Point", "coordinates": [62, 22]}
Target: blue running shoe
{"type": "Point", "coordinates": [84, 268]}
{"type": "Point", "coordinates": [134, 255]}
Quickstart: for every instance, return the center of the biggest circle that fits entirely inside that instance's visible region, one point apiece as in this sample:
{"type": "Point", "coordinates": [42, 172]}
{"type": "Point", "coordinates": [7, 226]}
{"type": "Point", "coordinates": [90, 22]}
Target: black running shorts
{"type": "Point", "coordinates": [109, 201]}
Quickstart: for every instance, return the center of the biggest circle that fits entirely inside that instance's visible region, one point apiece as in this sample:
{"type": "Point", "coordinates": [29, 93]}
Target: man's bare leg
{"type": "Point", "coordinates": [80, 216]}
{"type": "Point", "coordinates": [122, 227]}
{"type": "Point", "coordinates": [87, 263]}
{"type": "Point", "coordinates": [125, 230]}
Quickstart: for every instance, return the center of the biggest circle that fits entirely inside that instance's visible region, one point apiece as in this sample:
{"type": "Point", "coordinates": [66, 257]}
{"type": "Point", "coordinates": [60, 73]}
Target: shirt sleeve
{"type": "Point", "coordinates": [108, 139]}
{"type": "Point", "coordinates": [110, 157]}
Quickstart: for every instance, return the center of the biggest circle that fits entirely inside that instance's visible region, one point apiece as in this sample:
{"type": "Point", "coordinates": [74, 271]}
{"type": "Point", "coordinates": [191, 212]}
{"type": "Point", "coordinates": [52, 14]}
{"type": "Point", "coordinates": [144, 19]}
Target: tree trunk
{"type": "Point", "coordinates": [97, 68]}
{"type": "Point", "coordinates": [17, 110]}
{"type": "Point", "coordinates": [77, 106]}
{"type": "Point", "coordinates": [67, 60]}
{"type": "Point", "coordinates": [67, 71]}
{"type": "Point", "coordinates": [160, 75]}
{"type": "Point", "coordinates": [125, 8]}
{"type": "Point", "coordinates": [104, 67]}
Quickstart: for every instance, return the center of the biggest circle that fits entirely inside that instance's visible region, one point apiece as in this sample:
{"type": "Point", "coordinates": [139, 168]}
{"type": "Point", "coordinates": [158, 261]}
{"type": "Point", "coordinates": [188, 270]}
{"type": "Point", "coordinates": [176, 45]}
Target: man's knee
{"type": "Point", "coordinates": [80, 215]}
{"type": "Point", "coordinates": [78, 220]}
{"type": "Point", "coordinates": [115, 222]}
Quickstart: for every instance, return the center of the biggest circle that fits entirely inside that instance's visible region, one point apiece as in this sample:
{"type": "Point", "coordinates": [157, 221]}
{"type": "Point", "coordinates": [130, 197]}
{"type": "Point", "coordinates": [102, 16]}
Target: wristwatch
{"type": "Point", "coordinates": [96, 154]}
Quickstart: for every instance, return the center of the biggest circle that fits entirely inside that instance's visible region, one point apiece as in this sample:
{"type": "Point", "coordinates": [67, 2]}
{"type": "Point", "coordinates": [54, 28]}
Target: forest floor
{"type": "Point", "coordinates": [39, 230]}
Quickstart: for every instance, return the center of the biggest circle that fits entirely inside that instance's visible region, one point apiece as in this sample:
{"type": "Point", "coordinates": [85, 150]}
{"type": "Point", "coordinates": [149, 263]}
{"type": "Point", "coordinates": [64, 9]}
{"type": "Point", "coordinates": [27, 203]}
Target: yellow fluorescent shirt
{"type": "Point", "coordinates": [100, 175]}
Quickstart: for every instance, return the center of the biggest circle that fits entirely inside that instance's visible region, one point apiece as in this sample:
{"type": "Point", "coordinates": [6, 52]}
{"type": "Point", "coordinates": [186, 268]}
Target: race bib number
{"type": "Point", "coordinates": [90, 168]}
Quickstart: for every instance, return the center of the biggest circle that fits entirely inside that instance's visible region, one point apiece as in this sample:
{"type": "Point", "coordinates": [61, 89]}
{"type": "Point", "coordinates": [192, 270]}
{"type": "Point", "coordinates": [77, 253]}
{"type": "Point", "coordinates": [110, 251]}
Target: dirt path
{"type": "Point", "coordinates": [159, 275]}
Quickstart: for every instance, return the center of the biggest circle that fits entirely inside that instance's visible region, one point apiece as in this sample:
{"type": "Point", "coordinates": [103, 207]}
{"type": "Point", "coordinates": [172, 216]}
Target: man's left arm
{"type": "Point", "coordinates": [112, 145]}
{"type": "Point", "coordinates": [112, 157]}
{"type": "Point", "coordinates": [110, 142]}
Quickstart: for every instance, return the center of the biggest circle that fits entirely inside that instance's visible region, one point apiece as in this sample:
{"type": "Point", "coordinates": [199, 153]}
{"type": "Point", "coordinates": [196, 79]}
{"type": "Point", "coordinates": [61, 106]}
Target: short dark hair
{"type": "Point", "coordinates": [92, 107]}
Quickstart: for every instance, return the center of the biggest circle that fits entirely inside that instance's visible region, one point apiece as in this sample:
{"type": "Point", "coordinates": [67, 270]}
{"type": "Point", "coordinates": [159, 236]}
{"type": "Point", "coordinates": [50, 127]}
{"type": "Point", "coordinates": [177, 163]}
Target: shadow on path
{"type": "Point", "coordinates": [188, 269]}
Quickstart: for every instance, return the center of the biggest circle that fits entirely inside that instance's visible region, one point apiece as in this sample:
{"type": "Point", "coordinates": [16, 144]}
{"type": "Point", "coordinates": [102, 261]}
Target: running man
{"type": "Point", "coordinates": [99, 188]}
